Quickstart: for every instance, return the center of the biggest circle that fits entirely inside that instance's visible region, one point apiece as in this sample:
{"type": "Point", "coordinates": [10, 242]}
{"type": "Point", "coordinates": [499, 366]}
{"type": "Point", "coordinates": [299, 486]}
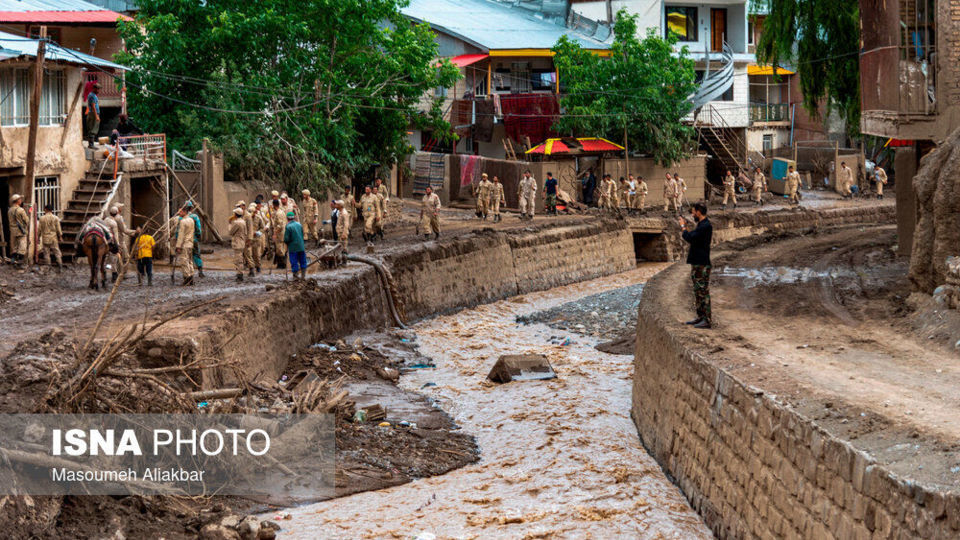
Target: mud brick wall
{"type": "Point", "coordinates": [475, 269]}
{"type": "Point", "coordinates": [752, 466]}
{"type": "Point", "coordinates": [727, 228]}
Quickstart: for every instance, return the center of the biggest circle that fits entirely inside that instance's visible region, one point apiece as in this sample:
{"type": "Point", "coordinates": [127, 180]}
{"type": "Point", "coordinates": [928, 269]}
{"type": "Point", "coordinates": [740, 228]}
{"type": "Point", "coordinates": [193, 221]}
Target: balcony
{"type": "Point", "coordinates": [769, 112]}
{"type": "Point", "coordinates": [110, 84]}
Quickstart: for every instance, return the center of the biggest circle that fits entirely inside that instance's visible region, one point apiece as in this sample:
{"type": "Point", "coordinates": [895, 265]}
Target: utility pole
{"type": "Point", "coordinates": [35, 114]}
{"type": "Point", "coordinates": [609, 4]}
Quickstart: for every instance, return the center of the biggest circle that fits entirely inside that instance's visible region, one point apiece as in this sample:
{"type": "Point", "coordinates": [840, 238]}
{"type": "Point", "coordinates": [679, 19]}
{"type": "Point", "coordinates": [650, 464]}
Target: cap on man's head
{"type": "Point", "coordinates": [484, 175]}
{"type": "Point", "coordinates": [16, 197]}
{"type": "Point", "coordinates": [241, 203]}
{"type": "Point", "coordinates": [114, 210]}
{"type": "Point", "coordinates": [238, 211]}
{"type": "Point", "coordinates": [252, 207]}
{"type": "Point", "coordinates": [189, 204]}
{"type": "Point", "coordinates": [306, 192]}
{"type": "Point", "coordinates": [283, 194]}
{"type": "Point", "coordinates": [291, 215]}
{"type": "Point", "coordinates": [274, 193]}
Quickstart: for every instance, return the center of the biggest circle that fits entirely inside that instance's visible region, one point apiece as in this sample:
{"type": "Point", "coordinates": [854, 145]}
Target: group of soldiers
{"type": "Point", "coordinates": [632, 193]}
{"type": "Point", "coordinates": [489, 196]}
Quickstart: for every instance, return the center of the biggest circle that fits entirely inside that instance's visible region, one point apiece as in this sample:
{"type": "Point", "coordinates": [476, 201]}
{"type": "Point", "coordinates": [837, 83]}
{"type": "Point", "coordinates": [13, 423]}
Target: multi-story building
{"type": "Point", "coordinates": [507, 98]}
{"type": "Point", "coordinates": [910, 86]}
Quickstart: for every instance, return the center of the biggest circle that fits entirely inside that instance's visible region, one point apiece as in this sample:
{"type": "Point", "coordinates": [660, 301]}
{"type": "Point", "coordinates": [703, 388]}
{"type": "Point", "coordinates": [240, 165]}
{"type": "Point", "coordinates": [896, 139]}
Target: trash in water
{"type": "Point", "coordinates": [202, 404]}
{"type": "Point", "coordinates": [428, 385]}
{"type": "Point", "coordinates": [521, 367]}
{"type": "Point", "coordinates": [421, 366]}
{"type": "Point", "coordinates": [384, 424]}
{"type": "Point", "coordinates": [405, 340]}
{"type": "Point", "coordinates": [360, 416]}
{"type": "Point", "coordinates": [324, 347]}
{"type": "Point", "coordinates": [301, 377]}
{"type": "Point", "coordinates": [283, 379]}
{"type": "Point", "coordinates": [404, 423]}
{"type": "Point", "coordinates": [566, 343]}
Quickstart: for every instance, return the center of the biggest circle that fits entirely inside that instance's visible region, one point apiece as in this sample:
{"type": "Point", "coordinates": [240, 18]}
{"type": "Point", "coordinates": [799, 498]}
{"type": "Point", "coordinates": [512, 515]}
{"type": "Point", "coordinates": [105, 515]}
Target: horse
{"type": "Point", "coordinates": [95, 248]}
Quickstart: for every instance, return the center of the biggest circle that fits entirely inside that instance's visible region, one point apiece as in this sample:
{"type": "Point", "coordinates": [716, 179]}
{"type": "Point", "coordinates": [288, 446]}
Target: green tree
{"type": "Point", "coordinates": [821, 38]}
{"type": "Point", "coordinates": [638, 95]}
{"type": "Point", "coordinates": [295, 92]}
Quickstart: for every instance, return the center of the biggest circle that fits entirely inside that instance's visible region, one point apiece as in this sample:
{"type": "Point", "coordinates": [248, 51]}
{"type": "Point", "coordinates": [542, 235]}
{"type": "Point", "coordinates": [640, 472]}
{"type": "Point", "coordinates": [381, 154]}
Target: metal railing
{"type": "Point", "coordinates": [110, 86]}
{"type": "Point", "coordinates": [769, 112]}
{"type": "Point", "coordinates": [151, 147]}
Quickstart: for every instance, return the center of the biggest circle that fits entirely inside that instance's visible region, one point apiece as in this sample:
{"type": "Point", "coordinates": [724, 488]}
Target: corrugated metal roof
{"type": "Point", "coordinates": [15, 46]}
{"type": "Point", "coordinates": [492, 25]}
{"type": "Point", "coordinates": [61, 17]}
{"type": "Point", "coordinates": [47, 5]}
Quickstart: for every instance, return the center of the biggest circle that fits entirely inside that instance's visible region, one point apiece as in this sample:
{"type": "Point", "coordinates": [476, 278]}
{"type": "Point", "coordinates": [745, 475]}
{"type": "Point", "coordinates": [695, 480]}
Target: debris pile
{"type": "Point", "coordinates": [949, 293]}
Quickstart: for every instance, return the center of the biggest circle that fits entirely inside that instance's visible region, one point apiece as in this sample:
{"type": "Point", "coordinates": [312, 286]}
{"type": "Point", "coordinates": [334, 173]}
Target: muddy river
{"type": "Point", "coordinates": [560, 458]}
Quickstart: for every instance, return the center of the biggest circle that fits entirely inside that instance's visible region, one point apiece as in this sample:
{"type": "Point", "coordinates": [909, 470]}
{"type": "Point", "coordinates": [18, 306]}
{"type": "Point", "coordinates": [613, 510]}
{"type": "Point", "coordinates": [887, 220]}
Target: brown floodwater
{"type": "Point", "coordinates": [559, 458]}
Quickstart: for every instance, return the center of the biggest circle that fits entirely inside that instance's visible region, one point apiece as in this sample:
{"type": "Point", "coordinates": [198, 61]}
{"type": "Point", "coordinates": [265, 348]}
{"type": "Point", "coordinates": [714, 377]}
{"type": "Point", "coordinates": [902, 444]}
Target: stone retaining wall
{"type": "Point", "coordinates": [748, 463]}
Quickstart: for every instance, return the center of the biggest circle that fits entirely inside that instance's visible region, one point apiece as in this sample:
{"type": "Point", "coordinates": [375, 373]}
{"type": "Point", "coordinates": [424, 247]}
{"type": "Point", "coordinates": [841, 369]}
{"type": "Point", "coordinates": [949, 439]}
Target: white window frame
{"type": "Point", "coordinates": [46, 190]}
{"type": "Point", "coordinates": [751, 31]}
{"type": "Point", "coordinates": [16, 86]}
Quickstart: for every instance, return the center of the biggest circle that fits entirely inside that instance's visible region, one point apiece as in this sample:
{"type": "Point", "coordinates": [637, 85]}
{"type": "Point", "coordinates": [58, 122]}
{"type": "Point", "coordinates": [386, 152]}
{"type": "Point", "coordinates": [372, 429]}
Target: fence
{"type": "Point", "coordinates": [110, 85]}
{"type": "Point", "coordinates": [145, 147]}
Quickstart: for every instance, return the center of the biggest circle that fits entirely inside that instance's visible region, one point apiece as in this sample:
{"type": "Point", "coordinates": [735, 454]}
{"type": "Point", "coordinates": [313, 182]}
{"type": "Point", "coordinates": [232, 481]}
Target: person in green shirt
{"type": "Point", "coordinates": [293, 238]}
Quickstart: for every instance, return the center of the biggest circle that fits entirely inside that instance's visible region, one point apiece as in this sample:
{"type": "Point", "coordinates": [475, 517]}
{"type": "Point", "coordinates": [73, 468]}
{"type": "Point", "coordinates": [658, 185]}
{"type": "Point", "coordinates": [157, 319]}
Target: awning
{"type": "Point", "coordinates": [102, 16]}
{"type": "Point", "coordinates": [466, 59]}
{"type": "Point", "coordinates": [576, 146]}
{"type": "Point", "coordinates": [754, 69]}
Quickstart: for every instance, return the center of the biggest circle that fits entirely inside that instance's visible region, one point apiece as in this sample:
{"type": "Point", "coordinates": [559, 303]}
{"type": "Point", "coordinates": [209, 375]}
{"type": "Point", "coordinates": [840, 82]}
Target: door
{"type": "Point", "coordinates": [718, 28]}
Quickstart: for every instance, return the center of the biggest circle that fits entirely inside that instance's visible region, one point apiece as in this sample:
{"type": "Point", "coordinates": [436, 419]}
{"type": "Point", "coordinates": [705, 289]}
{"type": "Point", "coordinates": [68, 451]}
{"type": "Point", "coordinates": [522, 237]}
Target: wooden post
{"type": "Point", "coordinates": [35, 114]}
{"type": "Point", "coordinates": [626, 148]}
{"type": "Point", "coordinates": [73, 107]}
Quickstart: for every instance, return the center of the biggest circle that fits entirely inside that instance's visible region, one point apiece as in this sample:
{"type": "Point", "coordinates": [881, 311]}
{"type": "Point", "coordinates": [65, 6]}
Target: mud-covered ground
{"type": "Point", "coordinates": [826, 322]}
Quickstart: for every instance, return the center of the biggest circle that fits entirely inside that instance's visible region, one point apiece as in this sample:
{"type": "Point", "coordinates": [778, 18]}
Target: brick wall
{"type": "Point", "coordinates": [752, 466]}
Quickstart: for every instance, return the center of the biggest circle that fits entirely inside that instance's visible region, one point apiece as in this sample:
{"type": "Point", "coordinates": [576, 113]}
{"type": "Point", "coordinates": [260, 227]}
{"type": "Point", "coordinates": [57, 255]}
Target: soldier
{"type": "Point", "coordinates": [881, 176]}
{"type": "Point", "coordinates": [528, 191]}
{"type": "Point", "coordinates": [382, 206]}
{"type": "Point", "coordinates": [370, 206]}
{"type": "Point", "coordinates": [382, 189]}
{"type": "Point", "coordinates": [845, 180]}
{"type": "Point", "coordinates": [729, 189]}
{"type": "Point", "coordinates": [793, 185]}
{"type": "Point", "coordinates": [124, 233]}
{"type": "Point", "coordinates": [238, 240]}
{"type": "Point", "coordinates": [115, 260]}
{"type": "Point", "coordinates": [631, 196]}
{"type": "Point", "coordinates": [496, 196]}
{"type": "Point", "coordinates": [287, 205]}
{"type": "Point", "coordinates": [274, 196]}
{"type": "Point", "coordinates": [255, 234]}
{"type": "Point", "coordinates": [311, 217]}
{"type": "Point", "coordinates": [184, 246]}
{"type": "Point", "coordinates": [670, 194]}
{"type": "Point", "coordinates": [430, 213]}
{"type": "Point", "coordinates": [615, 190]}
{"type": "Point", "coordinates": [19, 228]}
{"type": "Point", "coordinates": [681, 189]}
{"type": "Point", "coordinates": [343, 224]}
{"type": "Point", "coordinates": [642, 191]}
{"type": "Point", "coordinates": [278, 223]}
{"type": "Point", "coordinates": [603, 201]}
{"type": "Point", "coordinates": [172, 236]}
{"type": "Point", "coordinates": [197, 232]}
{"type": "Point", "coordinates": [50, 236]}
{"type": "Point", "coordinates": [482, 193]}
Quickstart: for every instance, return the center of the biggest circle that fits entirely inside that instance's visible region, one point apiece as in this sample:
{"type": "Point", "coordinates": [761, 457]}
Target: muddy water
{"type": "Point", "coordinates": [559, 458]}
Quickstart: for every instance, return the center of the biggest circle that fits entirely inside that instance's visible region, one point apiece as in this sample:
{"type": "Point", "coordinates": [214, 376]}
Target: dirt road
{"type": "Point", "coordinates": [558, 457]}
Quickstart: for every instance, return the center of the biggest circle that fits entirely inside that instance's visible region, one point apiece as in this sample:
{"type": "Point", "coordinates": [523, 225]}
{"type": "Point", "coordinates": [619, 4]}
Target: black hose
{"type": "Point", "coordinates": [385, 280]}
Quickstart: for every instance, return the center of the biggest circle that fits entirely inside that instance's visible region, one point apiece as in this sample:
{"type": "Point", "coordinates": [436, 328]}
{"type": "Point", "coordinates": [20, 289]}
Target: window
{"type": "Point", "coordinates": [440, 92]}
{"type": "Point", "coordinates": [501, 79]}
{"type": "Point", "coordinates": [682, 22]}
{"type": "Point", "coordinates": [750, 32]}
{"type": "Point", "coordinates": [15, 89]}
{"type": "Point", "coordinates": [521, 77]}
{"type": "Point", "coordinates": [728, 95]}
{"type": "Point", "coordinates": [543, 79]}
{"type": "Point", "coordinates": [46, 190]}
{"type": "Point", "coordinates": [767, 142]}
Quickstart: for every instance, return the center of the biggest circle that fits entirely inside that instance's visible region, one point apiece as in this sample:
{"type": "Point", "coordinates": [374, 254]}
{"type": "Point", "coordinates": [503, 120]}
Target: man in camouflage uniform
{"type": "Point", "coordinates": [184, 246]}
{"type": "Point", "coordinates": [881, 177]}
{"type": "Point", "coordinates": [255, 233]}
{"type": "Point", "coordinates": [496, 197]}
{"type": "Point", "coordinates": [759, 185]}
{"type": "Point", "coordinates": [430, 213]}
{"type": "Point", "coordinates": [50, 237]}
{"type": "Point", "coordinates": [792, 185]}
{"type": "Point", "coordinates": [670, 194]}
{"type": "Point", "coordinates": [311, 217]}
{"type": "Point", "coordinates": [382, 204]}
{"type": "Point", "coordinates": [482, 193]}
{"type": "Point", "coordinates": [238, 240]}
{"type": "Point", "coordinates": [344, 221]}
{"type": "Point", "coordinates": [370, 205]}
{"type": "Point", "coordinates": [278, 224]}
{"type": "Point", "coordinates": [729, 189]}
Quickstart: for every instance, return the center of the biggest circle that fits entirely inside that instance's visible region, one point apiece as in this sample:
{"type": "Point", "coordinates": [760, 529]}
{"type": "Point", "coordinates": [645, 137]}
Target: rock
{"type": "Point", "coordinates": [267, 534]}
{"type": "Point", "coordinates": [230, 521]}
{"type": "Point", "coordinates": [388, 373]}
{"type": "Point", "coordinates": [267, 524]}
{"type": "Point", "coordinates": [218, 532]}
{"type": "Point", "coordinates": [270, 287]}
{"type": "Point", "coordinates": [249, 528]}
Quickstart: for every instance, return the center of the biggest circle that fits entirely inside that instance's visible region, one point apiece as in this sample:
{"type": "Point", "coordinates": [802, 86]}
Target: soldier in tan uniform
{"type": "Point", "coordinates": [482, 193]}
{"type": "Point", "coordinates": [759, 185]}
{"type": "Point", "coordinates": [238, 240]}
{"type": "Point", "coordinates": [184, 246]}
{"type": "Point", "coordinates": [125, 233]}
{"type": "Point", "coordinates": [642, 190]}
{"type": "Point", "coordinates": [311, 217]}
{"type": "Point", "coordinates": [382, 202]}
{"type": "Point", "coordinates": [287, 204]}
{"type": "Point", "coordinates": [615, 189]}
{"type": "Point", "coordinates": [528, 192]}
{"type": "Point", "coordinates": [792, 185]}
{"type": "Point", "coordinates": [681, 189]}
{"type": "Point", "coordinates": [255, 231]}
{"type": "Point", "coordinates": [496, 197]}
{"type": "Point", "coordinates": [729, 189]}
{"type": "Point", "coordinates": [845, 180]}
{"type": "Point", "coordinates": [278, 224]}
{"type": "Point", "coordinates": [50, 236]}
{"type": "Point", "coordinates": [670, 194]}
{"type": "Point", "coordinates": [115, 260]}
{"type": "Point", "coordinates": [430, 213]}
{"type": "Point", "coordinates": [881, 177]}
{"type": "Point", "coordinates": [19, 229]}
{"type": "Point", "coordinates": [370, 205]}
{"type": "Point", "coordinates": [344, 221]}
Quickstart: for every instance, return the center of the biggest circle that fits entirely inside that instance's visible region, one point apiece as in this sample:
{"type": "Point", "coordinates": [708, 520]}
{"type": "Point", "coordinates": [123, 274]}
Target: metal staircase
{"type": "Point", "coordinates": [91, 197]}
{"type": "Point", "coordinates": [724, 142]}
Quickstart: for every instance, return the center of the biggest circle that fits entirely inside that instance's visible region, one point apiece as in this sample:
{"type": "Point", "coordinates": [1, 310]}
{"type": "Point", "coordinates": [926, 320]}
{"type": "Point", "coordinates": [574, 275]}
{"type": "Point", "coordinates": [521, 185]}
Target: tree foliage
{"type": "Point", "coordinates": [821, 38]}
{"type": "Point", "coordinates": [292, 91]}
{"type": "Point", "coordinates": [642, 87]}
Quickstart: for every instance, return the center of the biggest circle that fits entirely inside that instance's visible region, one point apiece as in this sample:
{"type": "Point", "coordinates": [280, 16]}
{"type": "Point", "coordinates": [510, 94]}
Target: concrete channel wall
{"type": "Point", "coordinates": [748, 463]}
